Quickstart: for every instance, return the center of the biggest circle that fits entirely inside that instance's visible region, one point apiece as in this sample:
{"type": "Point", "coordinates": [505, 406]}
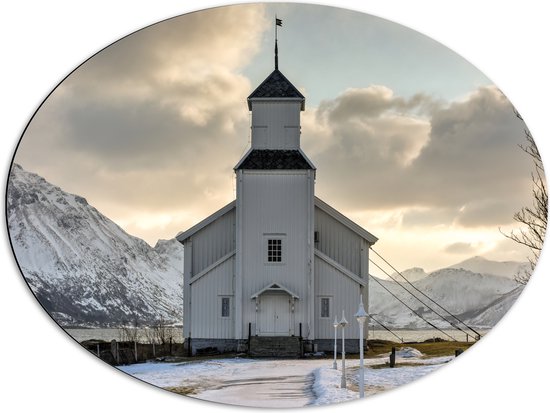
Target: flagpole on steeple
{"type": "Point", "coordinates": [278, 22]}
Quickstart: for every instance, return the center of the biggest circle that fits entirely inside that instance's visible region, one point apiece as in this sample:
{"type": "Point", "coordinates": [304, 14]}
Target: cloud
{"type": "Point", "coordinates": [428, 217]}
{"type": "Point", "coordinates": [173, 54]}
{"type": "Point", "coordinates": [368, 126]}
{"type": "Point", "coordinates": [368, 103]}
{"type": "Point", "coordinates": [460, 248]}
{"type": "Point", "coordinates": [149, 130]}
{"type": "Point", "coordinates": [154, 123]}
{"type": "Point", "coordinates": [486, 212]}
{"type": "Point", "coordinates": [460, 162]}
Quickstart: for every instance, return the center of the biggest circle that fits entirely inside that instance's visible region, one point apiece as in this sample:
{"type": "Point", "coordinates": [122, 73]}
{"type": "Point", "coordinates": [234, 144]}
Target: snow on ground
{"type": "Point", "coordinates": [406, 353]}
{"type": "Point", "coordinates": [378, 380]}
{"type": "Point", "coordinates": [282, 383]}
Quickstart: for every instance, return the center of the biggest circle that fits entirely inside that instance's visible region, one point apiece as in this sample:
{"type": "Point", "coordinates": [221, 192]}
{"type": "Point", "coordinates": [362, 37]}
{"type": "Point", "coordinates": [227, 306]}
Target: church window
{"type": "Point", "coordinates": [325, 307]}
{"type": "Point", "coordinates": [225, 307]}
{"type": "Point", "coordinates": [274, 250]}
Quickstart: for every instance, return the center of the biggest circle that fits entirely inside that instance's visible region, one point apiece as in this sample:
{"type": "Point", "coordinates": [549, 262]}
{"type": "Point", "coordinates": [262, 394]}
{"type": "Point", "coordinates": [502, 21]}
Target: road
{"type": "Point", "coordinates": [267, 383]}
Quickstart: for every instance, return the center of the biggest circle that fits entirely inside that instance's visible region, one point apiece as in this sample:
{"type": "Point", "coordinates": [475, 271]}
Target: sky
{"type": "Point", "coordinates": [410, 140]}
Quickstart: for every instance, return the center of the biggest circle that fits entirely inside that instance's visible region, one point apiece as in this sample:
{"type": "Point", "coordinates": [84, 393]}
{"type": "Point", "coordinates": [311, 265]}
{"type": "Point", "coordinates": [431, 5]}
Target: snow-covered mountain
{"type": "Point", "coordinates": [488, 316]}
{"type": "Point", "coordinates": [482, 265]}
{"type": "Point", "coordinates": [412, 274]}
{"type": "Point", "coordinates": [83, 268]}
{"type": "Point", "coordinates": [479, 299]}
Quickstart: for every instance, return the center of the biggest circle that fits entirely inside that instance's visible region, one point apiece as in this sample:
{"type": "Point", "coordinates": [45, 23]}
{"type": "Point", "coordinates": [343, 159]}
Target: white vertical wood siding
{"type": "Point", "coordinates": [206, 319]}
{"type": "Point", "coordinates": [344, 293]}
{"type": "Point", "coordinates": [276, 125]}
{"type": "Point", "coordinates": [213, 242]}
{"type": "Point", "coordinates": [338, 241]}
{"type": "Point", "coordinates": [275, 203]}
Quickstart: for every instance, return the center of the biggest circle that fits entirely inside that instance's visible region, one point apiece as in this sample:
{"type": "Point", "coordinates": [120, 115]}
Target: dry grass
{"type": "Point", "coordinates": [183, 390]}
{"type": "Point", "coordinates": [430, 349]}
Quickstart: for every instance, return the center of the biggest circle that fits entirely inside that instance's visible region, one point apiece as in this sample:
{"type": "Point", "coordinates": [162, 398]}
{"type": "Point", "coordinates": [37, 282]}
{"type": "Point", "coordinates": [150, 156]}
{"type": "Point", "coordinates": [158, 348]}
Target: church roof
{"type": "Point", "coordinates": [276, 85]}
{"type": "Point", "coordinates": [182, 236]}
{"type": "Point", "coordinates": [275, 159]}
{"type": "Point", "coordinates": [338, 216]}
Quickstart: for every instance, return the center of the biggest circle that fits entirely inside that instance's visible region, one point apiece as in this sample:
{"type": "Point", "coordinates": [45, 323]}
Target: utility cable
{"type": "Point", "coordinates": [402, 302]}
{"type": "Point", "coordinates": [419, 300]}
{"type": "Point", "coordinates": [477, 334]}
{"type": "Point", "coordinates": [385, 328]}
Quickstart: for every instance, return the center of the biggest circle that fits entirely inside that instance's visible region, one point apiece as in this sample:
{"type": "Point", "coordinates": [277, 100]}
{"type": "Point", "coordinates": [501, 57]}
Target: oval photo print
{"type": "Point", "coordinates": [276, 205]}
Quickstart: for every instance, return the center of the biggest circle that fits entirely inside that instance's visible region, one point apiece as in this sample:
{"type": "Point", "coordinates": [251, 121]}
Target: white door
{"type": "Point", "coordinates": [274, 315]}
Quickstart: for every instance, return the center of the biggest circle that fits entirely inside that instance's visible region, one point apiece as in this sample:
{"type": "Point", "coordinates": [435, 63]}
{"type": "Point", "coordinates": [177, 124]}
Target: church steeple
{"type": "Point", "coordinates": [275, 105]}
{"type": "Point", "coordinates": [276, 86]}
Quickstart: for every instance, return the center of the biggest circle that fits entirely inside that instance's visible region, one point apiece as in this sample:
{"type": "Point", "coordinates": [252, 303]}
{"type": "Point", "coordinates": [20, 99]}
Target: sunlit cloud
{"type": "Point", "coordinates": [149, 131]}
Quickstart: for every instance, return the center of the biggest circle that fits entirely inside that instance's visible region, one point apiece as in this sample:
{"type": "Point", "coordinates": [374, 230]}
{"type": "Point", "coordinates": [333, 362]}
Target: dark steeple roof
{"type": "Point", "coordinates": [274, 159]}
{"type": "Point", "coordinates": [276, 85]}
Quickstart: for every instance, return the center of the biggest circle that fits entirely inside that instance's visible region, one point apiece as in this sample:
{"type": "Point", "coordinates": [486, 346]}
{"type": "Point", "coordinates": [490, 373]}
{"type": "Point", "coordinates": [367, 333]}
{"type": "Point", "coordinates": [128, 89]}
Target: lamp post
{"type": "Point", "coordinates": [361, 317]}
{"type": "Point", "coordinates": [335, 325]}
{"type": "Point", "coordinates": [343, 323]}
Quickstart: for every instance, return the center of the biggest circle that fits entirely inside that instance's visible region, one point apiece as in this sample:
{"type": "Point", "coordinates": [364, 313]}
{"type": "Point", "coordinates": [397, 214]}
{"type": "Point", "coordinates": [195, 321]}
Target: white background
{"type": "Point", "coordinates": [41, 368]}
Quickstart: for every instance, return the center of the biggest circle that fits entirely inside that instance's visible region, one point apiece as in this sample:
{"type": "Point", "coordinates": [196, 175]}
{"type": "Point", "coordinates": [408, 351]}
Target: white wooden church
{"type": "Point", "coordinates": [277, 261]}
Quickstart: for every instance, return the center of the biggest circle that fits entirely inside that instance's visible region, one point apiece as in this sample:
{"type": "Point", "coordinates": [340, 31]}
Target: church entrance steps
{"type": "Point", "coordinates": [275, 346]}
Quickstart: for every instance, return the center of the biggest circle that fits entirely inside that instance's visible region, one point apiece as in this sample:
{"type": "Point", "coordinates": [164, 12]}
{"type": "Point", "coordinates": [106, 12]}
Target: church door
{"type": "Point", "coordinates": [274, 314]}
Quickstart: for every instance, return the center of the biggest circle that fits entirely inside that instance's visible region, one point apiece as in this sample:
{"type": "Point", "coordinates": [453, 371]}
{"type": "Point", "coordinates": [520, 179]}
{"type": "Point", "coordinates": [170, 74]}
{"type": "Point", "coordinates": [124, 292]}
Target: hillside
{"type": "Point", "coordinates": [508, 269]}
{"type": "Point", "coordinates": [87, 271]}
{"type": "Point", "coordinates": [478, 299]}
{"type": "Point", "coordinates": [83, 268]}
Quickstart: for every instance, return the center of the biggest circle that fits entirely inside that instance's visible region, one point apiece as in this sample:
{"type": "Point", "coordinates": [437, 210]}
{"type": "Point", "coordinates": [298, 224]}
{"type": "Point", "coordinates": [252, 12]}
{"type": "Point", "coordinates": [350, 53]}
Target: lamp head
{"type": "Point", "coordinates": [361, 314]}
{"type": "Point", "coordinates": [343, 321]}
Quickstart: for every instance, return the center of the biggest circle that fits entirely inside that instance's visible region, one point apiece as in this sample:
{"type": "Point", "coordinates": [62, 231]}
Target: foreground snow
{"type": "Point", "coordinates": [281, 383]}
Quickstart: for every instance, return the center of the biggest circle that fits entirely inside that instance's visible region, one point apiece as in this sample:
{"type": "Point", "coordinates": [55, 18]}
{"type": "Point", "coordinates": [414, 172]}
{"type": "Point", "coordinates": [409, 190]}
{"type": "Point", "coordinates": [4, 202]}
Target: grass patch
{"type": "Point", "coordinates": [428, 348]}
{"type": "Point", "coordinates": [198, 358]}
{"type": "Point", "coordinates": [443, 348]}
{"type": "Point", "coordinates": [183, 390]}
{"type": "Point", "coordinates": [397, 365]}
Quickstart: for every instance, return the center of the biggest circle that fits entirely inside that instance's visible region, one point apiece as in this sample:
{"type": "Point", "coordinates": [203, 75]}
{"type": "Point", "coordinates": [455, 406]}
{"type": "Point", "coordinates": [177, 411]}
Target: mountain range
{"type": "Point", "coordinates": [83, 268]}
{"type": "Point", "coordinates": [479, 300]}
{"type": "Point", "coordinates": [87, 271]}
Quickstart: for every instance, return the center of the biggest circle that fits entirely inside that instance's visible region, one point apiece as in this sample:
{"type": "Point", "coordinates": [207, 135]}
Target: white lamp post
{"type": "Point", "coordinates": [335, 325]}
{"type": "Point", "coordinates": [361, 317]}
{"type": "Point", "coordinates": [343, 323]}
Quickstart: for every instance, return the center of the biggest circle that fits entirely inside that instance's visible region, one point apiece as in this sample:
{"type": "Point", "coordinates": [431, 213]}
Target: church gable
{"type": "Point", "coordinates": [345, 221]}
{"type": "Point", "coordinates": [275, 287]}
{"type": "Point", "coordinates": [339, 238]}
{"type": "Point", "coordinates": [212, 239]}
{"type": "Point", "coordinates": [184, 235]}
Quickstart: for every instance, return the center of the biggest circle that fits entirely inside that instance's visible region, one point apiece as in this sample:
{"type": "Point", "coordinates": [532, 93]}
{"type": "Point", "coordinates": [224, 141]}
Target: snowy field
{"type": "Point", "coordinates": [282, 383]}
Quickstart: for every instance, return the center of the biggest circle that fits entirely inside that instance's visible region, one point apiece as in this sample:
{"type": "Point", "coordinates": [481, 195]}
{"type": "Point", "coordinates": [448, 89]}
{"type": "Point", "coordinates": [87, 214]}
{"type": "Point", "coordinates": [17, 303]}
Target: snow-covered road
{"type": "Point", "coordinates": [279, 383]}
{"type": "Point", "coordinates": [274, 383]}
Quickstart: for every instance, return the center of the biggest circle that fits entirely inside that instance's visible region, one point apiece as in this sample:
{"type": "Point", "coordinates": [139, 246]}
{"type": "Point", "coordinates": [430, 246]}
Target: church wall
{"type": "Point", "coordinates": [276, 125]}
{"type": "Point", "coordinates": [206, 303]}
{"type": "Point", "coordinates": [344, 295]}
{"type": "Point", "coordinates": [276, 205]}
{"type": "Point", "coordinates": [213, 242]}
{"type": "Point", "coordinates": [338, 241]}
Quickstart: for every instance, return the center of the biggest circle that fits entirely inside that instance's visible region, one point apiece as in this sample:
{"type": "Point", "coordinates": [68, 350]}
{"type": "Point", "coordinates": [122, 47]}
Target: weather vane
{"type": "Point", "coordinates": [278, 22]}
